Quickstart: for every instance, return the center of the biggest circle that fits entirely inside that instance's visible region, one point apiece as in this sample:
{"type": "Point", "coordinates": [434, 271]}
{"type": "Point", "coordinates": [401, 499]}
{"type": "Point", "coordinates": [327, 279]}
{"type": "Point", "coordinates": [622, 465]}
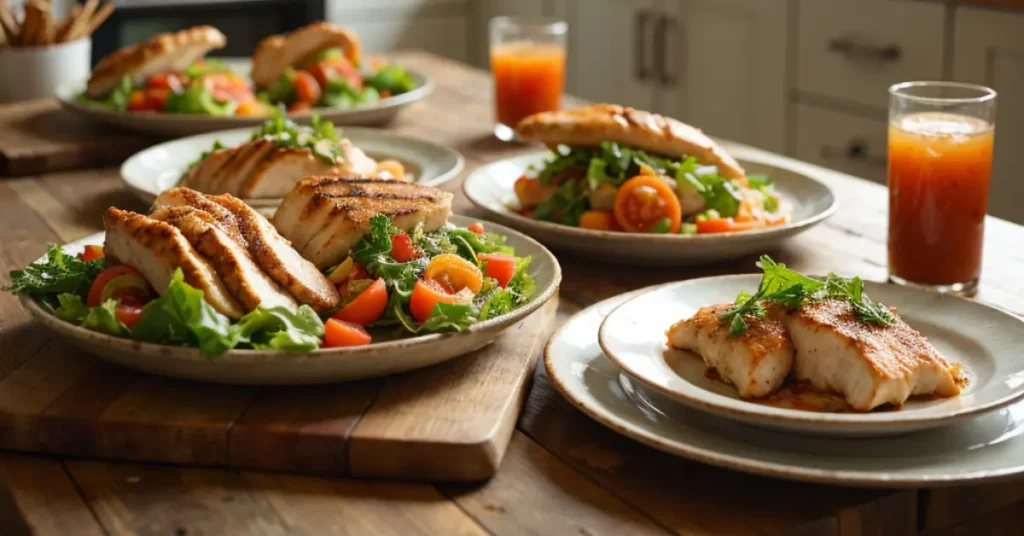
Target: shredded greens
{"type": "Point", "coordinates": [320, 136]}
{"type": "Point", "coordinates": [60, 273]}
{"type": "Point", "coordinates": [788, 288]}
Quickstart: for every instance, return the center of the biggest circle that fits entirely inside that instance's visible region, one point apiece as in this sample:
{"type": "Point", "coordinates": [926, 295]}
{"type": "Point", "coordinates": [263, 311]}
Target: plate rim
{"type": "Point", "coordinates": [250, 356]}
{"type": "Point", "coordinates": [443, 178]}
{"type": "Point", "coordinates": [756, 412]}
{"type": "Point", "coordinates": [740, 153]}
{"type": "Point", "coordinates": [734, 462]}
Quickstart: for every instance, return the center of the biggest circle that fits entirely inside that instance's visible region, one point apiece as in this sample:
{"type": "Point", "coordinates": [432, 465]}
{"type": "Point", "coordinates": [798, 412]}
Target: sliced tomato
{"type": "Point", "coordinates": [112, 279]}
{"type": "Point", "coordinates": [727, 225]}
{"type": "Point", "coordinates": [156, 99]}
{"type": "Point", "coordinates": [427, 294]}
{"type": "Point", "coordinates": [402, 248]}
{"type": "Point", "coordinates": [339, 334]}
{"type": "Point", "coordinates": [137, 101]}
{"type": "Point", "coordinates": [128, 314]}
{"type": "Point", "coordinates": [499, 266]}
{"type": "Point", "coordinates": [91, 253]}
{"type": "Point", "coordinates": [368, 306]}
{"type": "Point", "coordinates": [306, 87]}
{"type": "Point", "coordinates": [170, 81]}
{"type": "Point", "coordinates": [644, 201]}
{"type": "Point", "coordinates": [531, 192]}
{"type": "Point", "coordinates": [476, 227]}
{"type": "Point", "coordinates": [599, 221]}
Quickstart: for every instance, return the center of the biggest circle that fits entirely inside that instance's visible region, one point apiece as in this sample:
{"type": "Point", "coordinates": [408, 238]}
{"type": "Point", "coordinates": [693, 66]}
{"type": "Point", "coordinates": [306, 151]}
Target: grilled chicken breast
{"type": "Point", "coordinates": [231, 260]}
{"type": "Point", "coordinates": [756, 362]}
{"type": "Point", "coordinates": [278, 52]}
{"type": "Point", "coordinates": [279, 259]}
{"type": "Point", "coordinates": [325, 216]}
{"type": "Point", "coordinates": [156, 248]}
{"type": "Point", "coordinates": [870, 365]}
{"type": "Point", "coordinates": [185, 197]}
{"type": "Point", "coordinates": [277, 174]}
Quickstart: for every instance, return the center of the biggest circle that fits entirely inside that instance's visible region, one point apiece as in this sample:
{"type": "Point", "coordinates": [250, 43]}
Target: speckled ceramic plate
{"type": "Point", "coordinates": [491, 188]}
{"type": "Point", "coordinates": [982, 448]}
{"type": "Point", "coordinates": [986, 341]}
{"type": "Point", "coordinates": [153, 170]}
{"type": "Point", "coordinates": [164, 124]}
{"type": "Point", "coordinates": [321, 366]}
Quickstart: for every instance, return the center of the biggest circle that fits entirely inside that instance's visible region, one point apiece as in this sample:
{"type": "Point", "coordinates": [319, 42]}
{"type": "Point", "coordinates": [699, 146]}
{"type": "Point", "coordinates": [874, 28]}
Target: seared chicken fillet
{"type": "Point", "coordinates": [277, 174]}
{"type": "Point", "coordinates": [276, 53]}
{"type": "Point", "coordinates": [230, 177]}
{"type": "Point", "coordinates": [231, 259]}
{"type": "Point", "coordinates": [756, 362]}
{"type": "Point", "coordinates": [156, 249]}
{"type": "Point", "coordinates": [870, 365]}
{"type": "Point", "coordinates": [325, 216]}
{"type": "Point", "coordinates": [279, 259]}
{"type": "Point", "coordinates": [185, 197]}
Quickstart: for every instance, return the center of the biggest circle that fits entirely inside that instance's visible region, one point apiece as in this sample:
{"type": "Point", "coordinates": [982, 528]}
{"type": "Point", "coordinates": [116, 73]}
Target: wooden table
{"type": "Point", "coordinates": [563, 473]}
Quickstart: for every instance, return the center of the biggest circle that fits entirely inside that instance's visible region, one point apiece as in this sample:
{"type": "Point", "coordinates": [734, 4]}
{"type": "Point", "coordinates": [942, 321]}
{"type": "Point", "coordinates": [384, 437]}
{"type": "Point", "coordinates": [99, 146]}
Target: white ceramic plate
{"type": "Point", "coordinates": [165, 124]}
{"type": "Point", "coordinates": [321, 366]}
{"type": "Point", "coordinates": [985, 340]}
{"type": "Point", "coordinates": [153, 170]}
{"type": "Point", "coordinates": [978, 449]}
{"type": "Point", "coordinates": [491, 188]}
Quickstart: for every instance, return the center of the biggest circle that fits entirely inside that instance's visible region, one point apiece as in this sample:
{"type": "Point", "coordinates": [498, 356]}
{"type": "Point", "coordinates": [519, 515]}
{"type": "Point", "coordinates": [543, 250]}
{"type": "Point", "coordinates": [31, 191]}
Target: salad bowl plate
{"type": "Point", "coordinates": [153, 170]}
{"type": "Point", "coordinates": [168, 124]}
{"type": "Point", "coordinates": [985, 341]}
{"type": "Point", "coordinates": [976, 449]}
{"type": "Point", "coordinates": [491, 188]}
{"type": "Point", "coordinates": [325, 365]}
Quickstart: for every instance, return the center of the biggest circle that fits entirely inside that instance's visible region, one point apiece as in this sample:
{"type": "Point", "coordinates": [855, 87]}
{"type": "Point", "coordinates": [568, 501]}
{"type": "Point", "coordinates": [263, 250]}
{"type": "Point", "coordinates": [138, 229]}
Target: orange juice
{"type": "Point", "coordinates": [528, 78]}
{"type": "Point", "coordinates": [940, 166]}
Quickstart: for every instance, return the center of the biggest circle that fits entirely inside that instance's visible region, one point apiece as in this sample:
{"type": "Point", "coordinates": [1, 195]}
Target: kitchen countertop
{"type": "Point", "coordinates": [563, 473]}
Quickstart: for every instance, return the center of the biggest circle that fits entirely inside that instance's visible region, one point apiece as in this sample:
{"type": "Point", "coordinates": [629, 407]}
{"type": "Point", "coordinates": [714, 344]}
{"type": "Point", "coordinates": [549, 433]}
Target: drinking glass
{"type": "Point", "coordinates": [940, 167]}
{"type": "Point", "coordinates": [528, 63]}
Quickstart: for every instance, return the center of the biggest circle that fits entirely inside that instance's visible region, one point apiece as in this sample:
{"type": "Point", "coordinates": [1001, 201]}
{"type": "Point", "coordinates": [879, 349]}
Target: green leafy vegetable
{"type": "Point", "coordinates": [281, 328]}
{"type": "Point", "coordinates": [181, 316]}
{"type": "Point", "coordinates": [320, 136]}
{"type": "Point", "coordinates": [198, 100]}
{"type": "Point", "coordinates": [340, 94]}
{"type": "Point", "coordinates": [391, 78]}
{"type": "Point", "coordinates": [71, 308]}
{"type": "Point", "coordinates": [59, 273]}
{"type": "Point", "coordinates": [104, 320]}
{"type": "Point", "coordinates": [207, 66]}
{"type": "Point", "coordinates": [283, 89]}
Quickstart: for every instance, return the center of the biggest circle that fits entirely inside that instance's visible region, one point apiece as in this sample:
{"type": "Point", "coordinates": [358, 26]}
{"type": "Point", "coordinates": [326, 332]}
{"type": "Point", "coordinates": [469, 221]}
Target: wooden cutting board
{"type": "Point", "coordinates": [450, 422]}
{"type": "Point", "coordinates": [40, 137]}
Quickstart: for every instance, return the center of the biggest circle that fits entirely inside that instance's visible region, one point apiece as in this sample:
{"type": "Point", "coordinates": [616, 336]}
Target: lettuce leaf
{"type": "Point", "coordinates": [181, 316]}
{"type": "Point", "coordinates": [281, 328]}
{"type": "Point", "coordinates": [391, 78]}
{"type": "Point", "coordinates": [104, 320]}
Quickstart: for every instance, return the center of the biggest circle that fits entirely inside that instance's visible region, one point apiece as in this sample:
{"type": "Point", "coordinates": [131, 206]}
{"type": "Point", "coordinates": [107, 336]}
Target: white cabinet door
{"type": "Point", "coordinates": [989, 50]}
{"type": "Point", "coordinates": [610, 50]}
{"type": "Point", "coordinates": [725, 63]}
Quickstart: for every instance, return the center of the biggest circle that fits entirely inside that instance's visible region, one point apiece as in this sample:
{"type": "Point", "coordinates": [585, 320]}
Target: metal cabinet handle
{"type": "Point", "coordinates": [663, 29]}
{"type": "Point", "coordinates": [857, 149]}
{"type": "Point", "coordinates": [851, 47]}
{"type": "Point", "coordinates": [640, 22]}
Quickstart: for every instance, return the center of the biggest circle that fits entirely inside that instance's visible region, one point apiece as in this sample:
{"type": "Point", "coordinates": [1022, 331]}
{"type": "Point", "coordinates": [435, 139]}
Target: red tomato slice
{"type": "Point", "coordinates": [476, 227]}
{"type": "Point", "coordinates": [402, 248]}
{"type": "Point", "coordinates": [91, 253]}
{"type": "Point", "coordinates": [128, 314]}
{"type": "Point", "coordinates": [99, 290]}
{"type": "Point", "coordinates": [339, 334]}
{"type": "Point", "coordinates": [368, 306]}
{"type": "Point", "coordinates": [499, 266]}
{"type": "Point", "coordinates": [727, 225]}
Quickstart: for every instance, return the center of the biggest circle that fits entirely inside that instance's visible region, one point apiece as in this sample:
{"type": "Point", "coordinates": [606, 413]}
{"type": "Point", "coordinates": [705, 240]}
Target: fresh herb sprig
{"type": "Point", "coordinates": [59, 273]}
{"type": "Point", "coordinates": [790, 289]}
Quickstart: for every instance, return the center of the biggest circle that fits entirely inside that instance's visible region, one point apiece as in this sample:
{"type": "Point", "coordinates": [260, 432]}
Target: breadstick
{"type": "Point", "coordinates": [46, 26]}
{"type": "Point", "coordinates": [30, 26]}
{"type": "Point", "coordinates": [98, 19]}
{"type": "Point", "coordinates": [78, 26]}
{"type": "Point", "coordinates": [10, 27]}
{"type": "Point", "coordinates": [65, 26]}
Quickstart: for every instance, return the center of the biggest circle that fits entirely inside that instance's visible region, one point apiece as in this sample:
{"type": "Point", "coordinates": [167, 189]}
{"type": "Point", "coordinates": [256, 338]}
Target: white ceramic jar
{"type": "Point", "coordinates": [36, 72]}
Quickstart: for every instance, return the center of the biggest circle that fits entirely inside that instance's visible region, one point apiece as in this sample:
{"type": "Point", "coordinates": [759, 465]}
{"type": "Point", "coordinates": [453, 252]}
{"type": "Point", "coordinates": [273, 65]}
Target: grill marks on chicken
{"type": "Point", "coordinates": [825, 343]}
{"type": "Point", "coordinates": [324, 217]}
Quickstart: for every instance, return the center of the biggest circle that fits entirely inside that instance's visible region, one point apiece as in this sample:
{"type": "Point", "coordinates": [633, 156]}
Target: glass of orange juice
{"type": "Point", "coordinates": [528, 62]}
{"type": "Point", "coordinates": [940, 166]}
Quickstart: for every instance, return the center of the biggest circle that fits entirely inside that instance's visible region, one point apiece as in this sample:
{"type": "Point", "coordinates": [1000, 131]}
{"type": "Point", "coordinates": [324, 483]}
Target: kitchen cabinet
{"type": "Point", "coordinates": [989, 50]}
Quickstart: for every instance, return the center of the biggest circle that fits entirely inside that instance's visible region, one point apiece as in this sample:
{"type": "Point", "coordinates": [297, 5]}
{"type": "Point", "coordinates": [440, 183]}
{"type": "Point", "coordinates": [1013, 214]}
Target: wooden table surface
{"type": "Point", "coordinates": [563, 473]}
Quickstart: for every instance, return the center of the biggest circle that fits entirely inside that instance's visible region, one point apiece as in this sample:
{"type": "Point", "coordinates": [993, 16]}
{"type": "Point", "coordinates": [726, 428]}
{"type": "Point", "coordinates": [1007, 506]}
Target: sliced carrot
{"type": "Point", "coordinates": [454, 273]}
{"type": "Point", "coordinates": [306, 87]}
{"type": "Point", "coordinates": [368, 306]}
{"type": "Point", "coordinates": [426, 295]}
{"type": "Point", "coordinates": [402, 248]}
{"type": "Point", "coordinates": [499, 266]}
{"type": "Point", "coordinates": [339, 334]}
{"type": "Point", "coordinates": [645, 200]}
{"type": "Point", "coordinates": [476, 227]}
{"type": "Point", "coordinates": [599, 220]}
{"type": "Point", "coordinates": [91, 253]}
{"type": "Point", "coordinates": [128, 314]}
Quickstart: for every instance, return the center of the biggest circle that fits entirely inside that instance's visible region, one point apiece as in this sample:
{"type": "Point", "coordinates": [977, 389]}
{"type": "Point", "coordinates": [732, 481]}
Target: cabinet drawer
{"type": "Point", "coordinates": [836, 140]}
{"type": "Point", "coordinates": [855, 49]}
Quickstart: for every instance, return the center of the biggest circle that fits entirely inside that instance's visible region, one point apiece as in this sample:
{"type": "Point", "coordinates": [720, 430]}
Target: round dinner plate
{"type": "Point", "coordinates": [167, 124]}
{"type": "Point", "coordinates": [258, 367]}
{"type": "Point", "coordinates": [986, 341]}
{"type": "Point", "coordinates": [982, 448]}
{"type": "Point", "coordinates": [153, 170]}
{"type": "Point", "coordinates": [491, 188]}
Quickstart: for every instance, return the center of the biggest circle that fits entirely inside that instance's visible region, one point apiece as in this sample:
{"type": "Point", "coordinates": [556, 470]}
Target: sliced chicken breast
{"type": "Point", "coordinates": [279, 259]}
{"type": "Point", "coordinates": [869, 364]}
{"type": "Point", "coordinates": [201, 175]}
{"type": "Point", "coordinates": [156, 248]}
{"type": "Point", "coordinates": [230, 177]}
{"type": "Point", "coordinates": [756, 362]}
{"type": "Point", "coordinates": [240, 273]}
{"type": "Point", "coordinates": [185, 197]}
{"type": "Point", "coordinates": [277, 174]}
{"type": "Point", "coordinates": [337, 213]}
